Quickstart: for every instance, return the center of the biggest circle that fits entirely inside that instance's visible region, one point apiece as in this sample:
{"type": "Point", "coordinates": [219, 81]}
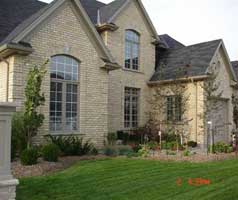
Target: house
{"type": "Point", "coordinates": [104, 61]}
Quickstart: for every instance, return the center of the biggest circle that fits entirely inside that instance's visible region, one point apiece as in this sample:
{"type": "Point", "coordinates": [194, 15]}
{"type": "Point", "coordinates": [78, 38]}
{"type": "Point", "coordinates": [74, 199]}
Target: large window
{"type": "Point", "coordinates": [132, 50]}
{"type": "Point", "coordinates": [64, 94]}
{"type": "Point", "coordinates": [174, 108]}
{"type": "Point", "coordinates": [131, 107]}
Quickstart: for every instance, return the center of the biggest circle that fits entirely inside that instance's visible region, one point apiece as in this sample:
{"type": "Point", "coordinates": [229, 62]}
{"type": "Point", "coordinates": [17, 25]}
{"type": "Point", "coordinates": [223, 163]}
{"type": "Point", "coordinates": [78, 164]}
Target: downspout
{"type": "Point", "coordinates": [196, 111]}
{"type": "Point", "coordinates": [7, 80]}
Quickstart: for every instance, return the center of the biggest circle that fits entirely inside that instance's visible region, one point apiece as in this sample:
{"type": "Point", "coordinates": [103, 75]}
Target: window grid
{"type": "Point", "coordinates": [64, 94]}
{"type": "Point", "coordinates": [174, 108]}
{"type": "Point", "coordinates": [132, 50]}
{"type": "Point", "coordinates": [131, 109]}
{"type": "Point", "coordinates": [55, 106]}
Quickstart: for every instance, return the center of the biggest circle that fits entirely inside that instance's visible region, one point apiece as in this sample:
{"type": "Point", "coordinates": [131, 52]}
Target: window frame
{"type": "Point", "coordinates": [131, 95]}
{"type": "Point", "coordinates": [64, 100]}
{"type": "Point", "coordinates": [173, 108]}
{"type": "Point", "coordinates": [131, 44]}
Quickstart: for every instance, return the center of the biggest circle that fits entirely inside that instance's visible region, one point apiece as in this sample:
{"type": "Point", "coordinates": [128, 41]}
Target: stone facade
{"type": "Point", "coordinates": [101, 94]}
{"type": "Point", "coordinates": [130, 18]}
{"type": "Point", "coordinates": [64, 32]}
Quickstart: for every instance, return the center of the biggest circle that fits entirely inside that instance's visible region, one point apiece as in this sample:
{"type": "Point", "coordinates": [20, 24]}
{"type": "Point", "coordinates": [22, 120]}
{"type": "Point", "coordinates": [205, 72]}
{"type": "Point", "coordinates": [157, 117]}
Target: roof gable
{"type": "Point", "coordinates": [22, 30]}
{"type": "Point", "coordinates": [110, 12]}
{"type": "Point", "coordinates": [189, 61]}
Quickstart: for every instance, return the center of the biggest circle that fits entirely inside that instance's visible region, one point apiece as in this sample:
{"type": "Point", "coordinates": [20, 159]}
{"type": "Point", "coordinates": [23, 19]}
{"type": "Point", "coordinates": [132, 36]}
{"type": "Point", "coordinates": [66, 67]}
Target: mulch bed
{"type": "Point", "coordinates": [195, 158]}
{"type": "Point", "coordinates": [44, 168]}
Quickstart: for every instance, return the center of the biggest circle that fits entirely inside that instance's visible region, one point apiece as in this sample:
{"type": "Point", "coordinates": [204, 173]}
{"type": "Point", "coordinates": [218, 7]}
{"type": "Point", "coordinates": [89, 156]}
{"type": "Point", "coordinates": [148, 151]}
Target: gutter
{"type": "Point", "coordinates": [194, 78]}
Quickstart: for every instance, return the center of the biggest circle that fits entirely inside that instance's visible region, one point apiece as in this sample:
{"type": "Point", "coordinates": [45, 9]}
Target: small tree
{"type": "Point", "coordinates": [33, 99]}
{"type": "Point", "coordinates": [158, 103]}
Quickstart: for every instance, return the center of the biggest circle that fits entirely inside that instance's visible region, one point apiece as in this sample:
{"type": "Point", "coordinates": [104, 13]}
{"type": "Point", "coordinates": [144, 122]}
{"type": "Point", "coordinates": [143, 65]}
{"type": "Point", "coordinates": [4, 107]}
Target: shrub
{"type": "Point", "coordinates": [186, 153]}
{"type": "Point", "coordinates": [171, 153]}
{"type": "Point", "coordinates": [220, 147]}
{"type": "Point", "coordinates": [123, 136]}
{"type": "Point", "coordinates": [192, 144]}
{"type": "Point", "coordinates": [124, 150]}
{"type": "Point", "coordinates": [153, 145]}
{"type": "Point", "coordinates": [111, 151]}
{"type": "Point", "coordinates": [94, 151]}
{"type": "Point", "coordinates": [144, 151]}
{"type": "Point", "coordinates": [111, 138]}
{"type": "Point", "coordinates": [29, 156]}
{"type": "Point", "coordinates": [18, 139]}
{"type": "Point", "coordinates": [136, 147]}
{"type": "Point", "coordinates": [72, 145]}
{"type": "Point", "coordinates": [50, 153]}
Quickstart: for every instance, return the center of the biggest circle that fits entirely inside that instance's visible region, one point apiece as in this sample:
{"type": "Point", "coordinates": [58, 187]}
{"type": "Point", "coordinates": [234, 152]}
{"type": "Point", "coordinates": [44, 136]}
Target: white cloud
{"type": "Point", "coordinates": [193, 21]}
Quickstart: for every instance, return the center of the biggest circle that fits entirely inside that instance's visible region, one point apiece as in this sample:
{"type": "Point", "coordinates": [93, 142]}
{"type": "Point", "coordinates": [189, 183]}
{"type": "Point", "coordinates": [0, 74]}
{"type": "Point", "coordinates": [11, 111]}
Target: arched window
{"type": "Point", "coordinates": [64, 86]}
{"type": "Point", "coordinates": [132, 46]}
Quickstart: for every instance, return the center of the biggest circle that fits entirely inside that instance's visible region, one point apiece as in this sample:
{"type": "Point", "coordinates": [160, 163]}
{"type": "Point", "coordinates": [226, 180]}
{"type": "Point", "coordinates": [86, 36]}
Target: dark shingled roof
{"type": "Point", "coordinates": [15, 15]}
{"type": "Point", "coordinates": [186, 61]}
{"type": "Point", "coordinates": [14, 12]}
{"type": "Point", "coordinates": [109, 10]}
{"type": "Point", "coordinates": [170, 42]}
{"type": "Point", "coordinates": [91, 7]}
{"type": "Point", "coordinates": [235, 67]}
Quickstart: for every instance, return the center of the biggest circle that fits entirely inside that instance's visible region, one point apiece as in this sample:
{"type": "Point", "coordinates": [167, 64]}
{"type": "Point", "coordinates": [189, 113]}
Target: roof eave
{"type": "Point", "coordinates": [182, 80]}
{"type": "Point", "coordinates": [7, 50]}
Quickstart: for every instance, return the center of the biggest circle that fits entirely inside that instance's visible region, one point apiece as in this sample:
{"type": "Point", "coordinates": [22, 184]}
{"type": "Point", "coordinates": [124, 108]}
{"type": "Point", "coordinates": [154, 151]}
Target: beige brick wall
{"type": "Point", "coordinates": [224, 81]}
{"type": "Point", "coordinates": [64, 32]}
{"type": "Point", "coordinates": [194, 109]}
{"type": "Point", "coordinates": [130, 18]}
{"type": "Point", "coordinates": [6, 79]}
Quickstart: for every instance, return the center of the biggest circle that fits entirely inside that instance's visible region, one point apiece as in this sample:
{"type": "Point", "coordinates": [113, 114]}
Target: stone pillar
{"type": "Point", "coordinates": [7, 182]}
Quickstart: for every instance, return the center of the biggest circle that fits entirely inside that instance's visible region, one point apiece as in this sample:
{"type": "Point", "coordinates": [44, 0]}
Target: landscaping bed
{"type": "Point", "coordinates": [45, 168]}
{"type": "Point", "coordinates": [195, 158]}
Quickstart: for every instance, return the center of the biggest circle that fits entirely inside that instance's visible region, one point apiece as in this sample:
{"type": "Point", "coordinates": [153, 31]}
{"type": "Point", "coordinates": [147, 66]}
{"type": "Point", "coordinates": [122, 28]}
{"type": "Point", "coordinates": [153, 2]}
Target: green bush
{"type": "Point", "coordinates": [220, 147]}
{"type": "Point", "coordinates": [144, 151]}
{"type": "Point", "coordinates": [153, 145]}
{"type": "Point", "coordinates": [29, 156]}
{"type": "Point", "coordinates": [124, 150]}
{"type": "Point", "coordinates": [170, 153]}
{"type": "Point", "coordinates": [192, 144]}
{"type": "Point", "coordinates": [18, 139]}
{"type": "Point", "coordinates": [94, 151]}
{"type": "Point", "coordinates": [111, 151]}
{"type": "Point", "coordinates": [72, 145]}
{"type": "Point", "coordinates": [50, 153]}
{"type": "Point", "coordinates": [136, 147]}
{"type": "Point", "coordinates": [186, 153]}
{"type": "Point", "coordinates": [111, 138]}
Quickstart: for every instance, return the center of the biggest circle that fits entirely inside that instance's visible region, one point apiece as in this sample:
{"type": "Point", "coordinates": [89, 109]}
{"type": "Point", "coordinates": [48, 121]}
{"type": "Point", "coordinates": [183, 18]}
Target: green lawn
{"type": "Point", "coordinates": [129, 179]}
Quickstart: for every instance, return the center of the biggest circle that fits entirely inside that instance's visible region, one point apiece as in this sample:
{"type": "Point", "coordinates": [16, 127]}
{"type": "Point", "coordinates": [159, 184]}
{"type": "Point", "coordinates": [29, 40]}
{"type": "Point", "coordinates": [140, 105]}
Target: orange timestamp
{"type": "Point", "coordinates": [193, 181]}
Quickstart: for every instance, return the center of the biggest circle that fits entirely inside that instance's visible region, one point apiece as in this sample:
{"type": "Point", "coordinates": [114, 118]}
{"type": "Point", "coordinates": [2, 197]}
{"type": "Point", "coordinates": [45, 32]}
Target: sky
{"type": "Point", "coordinates": [195, 21]}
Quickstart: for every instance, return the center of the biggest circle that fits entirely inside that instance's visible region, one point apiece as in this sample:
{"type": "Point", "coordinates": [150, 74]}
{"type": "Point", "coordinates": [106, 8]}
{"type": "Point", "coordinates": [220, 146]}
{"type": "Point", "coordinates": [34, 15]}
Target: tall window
{"type": "Point", "coordinates": [131, 107]}
{"type": "Point", "coordinates": [64, 93]}
{"type": "Point", "coordinates": [132, 50]}
{"type": "Point", "coordinates": [174, 108]}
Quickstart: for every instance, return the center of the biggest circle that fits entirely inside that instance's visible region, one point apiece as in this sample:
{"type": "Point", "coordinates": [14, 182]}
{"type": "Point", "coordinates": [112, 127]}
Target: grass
{"type": "Point", "coordinates": [134, 179]}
